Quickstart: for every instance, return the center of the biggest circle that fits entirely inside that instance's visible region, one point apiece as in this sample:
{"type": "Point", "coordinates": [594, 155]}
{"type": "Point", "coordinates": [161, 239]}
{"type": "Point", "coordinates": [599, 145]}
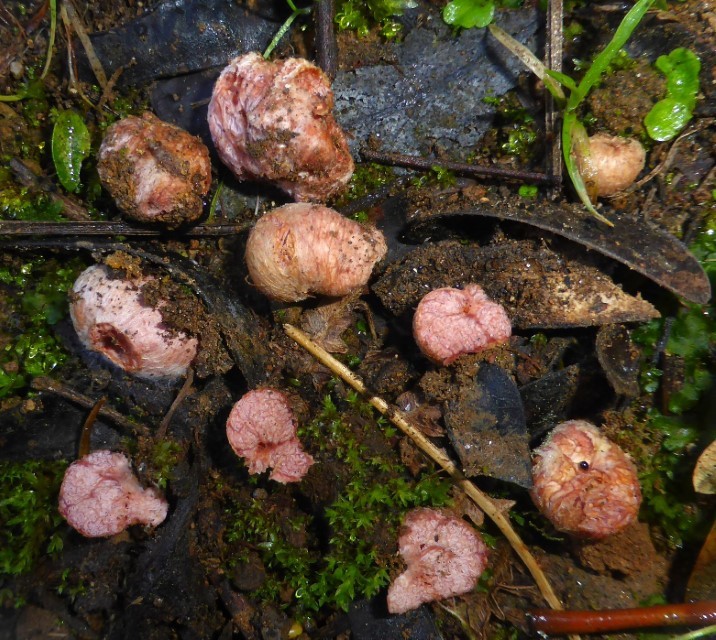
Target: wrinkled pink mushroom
{"type": "Point", "coordinates": [262, 430]}
{"type": "Point", "coordinates": [273, 122]}
{"type": "Point", "coordinates": [445, 557]}
{"type": "Point", "coordinates": [584, 483]}
{"type": "Point", "coordinates": [110, 317]}
{"type": "Point", "coordinates": [450, 322]}
{"type": "Point", "coordinates": [100, 496]}
{"type": "Point", "coordinates": [612, 164]}
{"type": "Point", "coordinates": [155, 172]}
{"type": "Point", "coordinates": [302, 249]}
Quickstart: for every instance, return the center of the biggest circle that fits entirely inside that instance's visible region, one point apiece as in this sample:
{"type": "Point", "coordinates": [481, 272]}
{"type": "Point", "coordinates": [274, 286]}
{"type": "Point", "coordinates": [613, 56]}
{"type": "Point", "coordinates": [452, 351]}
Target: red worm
{"type": "Point", "coordinates": [567, 622]}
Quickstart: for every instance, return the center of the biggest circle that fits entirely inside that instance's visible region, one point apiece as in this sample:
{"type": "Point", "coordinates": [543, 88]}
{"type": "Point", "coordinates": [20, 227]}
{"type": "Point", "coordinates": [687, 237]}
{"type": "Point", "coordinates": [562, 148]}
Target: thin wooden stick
{"type": "Point", "coordinates": [437, 455]}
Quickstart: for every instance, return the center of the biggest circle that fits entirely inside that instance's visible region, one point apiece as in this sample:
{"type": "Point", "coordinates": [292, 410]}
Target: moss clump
{"type": "Point", "coordinates": [28, 511]}
{"type": "Point", "coordinates": [673, 425]}
{"type": "Point", "coordinates": [361, 15]}
{"type": "Point", "coordinates": [362, 519]}
{"type": "Point", "coordinates": [34, 297]}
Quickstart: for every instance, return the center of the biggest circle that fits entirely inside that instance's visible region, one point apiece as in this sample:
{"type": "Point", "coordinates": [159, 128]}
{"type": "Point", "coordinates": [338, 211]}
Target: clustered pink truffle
{"type": "Point", "coordinates": [450, 322]}
{"type": "Point", "coordinates": [261, 428]}
{"type": "Point", "coordinates": [584, 483]}
{"type": "Point", "coordinates": [156, 172]}
{"type": "Point", "coordinates": [100, 496]}
{"type": "Point", "coordinates": [110, 317]}
{"type": "Point", "coordinates": [273, 122]}
{"type": "Point", "coordinates": [445, 557]}
{"type": "Point", "coordinates": [300, 249]}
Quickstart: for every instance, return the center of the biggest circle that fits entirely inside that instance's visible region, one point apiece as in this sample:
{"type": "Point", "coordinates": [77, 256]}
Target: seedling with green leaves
{"type": "Point", "coordinates": [574, 136]}
{"type": "Point", "coordinates": [670, 115]}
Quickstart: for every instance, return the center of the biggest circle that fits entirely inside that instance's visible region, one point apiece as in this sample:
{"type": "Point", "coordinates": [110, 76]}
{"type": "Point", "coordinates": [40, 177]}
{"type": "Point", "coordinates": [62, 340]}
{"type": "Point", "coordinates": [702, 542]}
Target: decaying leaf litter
{"type": "Point", "coordinates": [275, 560]}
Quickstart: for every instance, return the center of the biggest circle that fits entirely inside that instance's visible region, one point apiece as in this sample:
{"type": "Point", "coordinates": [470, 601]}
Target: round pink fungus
{"type": "Point", "coordinates": [300, 249]}
{"type": "Point", "coordinates": [445, 557]}
{"type": "Point", "coordinates": [155, 171]}
{"type": "Point", "coordinates": [100, 496]}
{"type": "Point", "coordinates": [110, 317]}
{"type": "Point", "coordinates": [273, 122]}
{"type": "Point", "coordinates": [450, 322]}
{"type": "Point", "coordinates": [262, 430]}
{"type": "Point", "coordinates": [584, 483]}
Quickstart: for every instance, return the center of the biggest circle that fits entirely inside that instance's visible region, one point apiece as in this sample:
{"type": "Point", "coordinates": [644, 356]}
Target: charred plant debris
{"type": "Point", "coordinates": [258, 549]}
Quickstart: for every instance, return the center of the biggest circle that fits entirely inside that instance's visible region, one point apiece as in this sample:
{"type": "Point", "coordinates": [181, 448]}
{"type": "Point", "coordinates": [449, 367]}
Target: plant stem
{"type": "Point", "coordinates": [285, 27]}
{"type": "Point", "coordinates": [706, 632]}
{"type": "Point", "coordinates": [51, 44]}
{"type": "Point", "coordinates": [436, 454]}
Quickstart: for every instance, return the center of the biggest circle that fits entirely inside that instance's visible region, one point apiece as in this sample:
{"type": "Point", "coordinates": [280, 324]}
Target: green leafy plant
{"type": "Point", "coordinates": [574, 136]}
{"type": "Point", "coordinates": [671, 114]}
{"type": "Point", "coordinates": [70, 146]}
{"type": "Point", "coordinates": [28, 511]}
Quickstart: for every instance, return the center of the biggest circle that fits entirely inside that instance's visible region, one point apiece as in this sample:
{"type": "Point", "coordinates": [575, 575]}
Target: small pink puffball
{"type": "Point", "coordinates": [110, 317]}
{"type": "Point", "coordinates": [273, 122]}
{"type": "Point", "coordinates": [100, 496]}
{"type": "Point", "coordinates": [450, 322]}
{"type": "Point", "coordinates": [302, 249]}
{"type": "Point", "coordinates": [584, 484]}
{"type": "Point", "coordinates": [155, 172]}
{"type": "Point", "coordinates": [613, 163]}
{"type": "Point", "coordinates": [445, 557]}
{"type": "Point", "coordinates": [262, 430]}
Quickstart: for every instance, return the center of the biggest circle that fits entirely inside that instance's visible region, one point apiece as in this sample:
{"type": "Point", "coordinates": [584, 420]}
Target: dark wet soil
{"type": "Point", "coordinates": [240, 556]}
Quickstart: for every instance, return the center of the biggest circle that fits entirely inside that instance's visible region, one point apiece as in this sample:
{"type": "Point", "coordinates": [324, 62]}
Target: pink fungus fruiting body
{"type": "Point", "coordinates": [155, 171]}
{"type": "Point", "coordinates": [444, 555]}
{"type": "Point", "coordinates": [273, 122]}
{"type": "Point", "coordinates": [584, 483]}
{"type": "Point", "coordinates": [611, 164]}
{"type": "Point", "coordinates": [100, 496]}
{"type": "Point", "coordinates": [262, 429]}
{"type": "Point", "coordinates": [302, 249]}
{"type": "Point", "coordinates": [450, 322]}
{"type": "Point", "coordinates": [111, 318]}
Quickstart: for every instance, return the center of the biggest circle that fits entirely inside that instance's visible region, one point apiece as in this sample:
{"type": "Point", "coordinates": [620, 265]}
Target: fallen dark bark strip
{"type": "Point", "coordinates": [112, 228]}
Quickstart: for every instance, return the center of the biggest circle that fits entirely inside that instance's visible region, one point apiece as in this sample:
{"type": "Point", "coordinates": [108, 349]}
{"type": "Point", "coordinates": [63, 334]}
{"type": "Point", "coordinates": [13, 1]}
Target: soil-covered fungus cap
{"type": "Point", "coordinates": [450, 322]}
{"type": "Point", "coordinates": [110, 317]}
{"type": "Point", "coordinates": [262, 429]}
{"type": "Point", "coordinates": [155, 171]}
{"type": "Point", "coordinates": [302, 249]}
{"type": "Point", "coordinates": [611, 164]}
{"type": "Point", "coordinates": [273, 122]}
{"type": "Point", "coordinates": [100, 496]}
{"type": "Point", "coordinates": [444, 555]}
{"type": "Point", "coordinates": [584, 483]}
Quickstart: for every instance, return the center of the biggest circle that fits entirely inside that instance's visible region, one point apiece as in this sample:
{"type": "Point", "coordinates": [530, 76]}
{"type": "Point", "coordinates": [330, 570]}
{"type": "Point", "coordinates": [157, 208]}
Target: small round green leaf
{"type": "Point", "coordinates": [666, 118]}
{"type": "Point", "coordinates": [70, 146]}
{"type": "Point", "coordinates": [681, 68]}
{"type": "Point", "coordinates": [469, 13]}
